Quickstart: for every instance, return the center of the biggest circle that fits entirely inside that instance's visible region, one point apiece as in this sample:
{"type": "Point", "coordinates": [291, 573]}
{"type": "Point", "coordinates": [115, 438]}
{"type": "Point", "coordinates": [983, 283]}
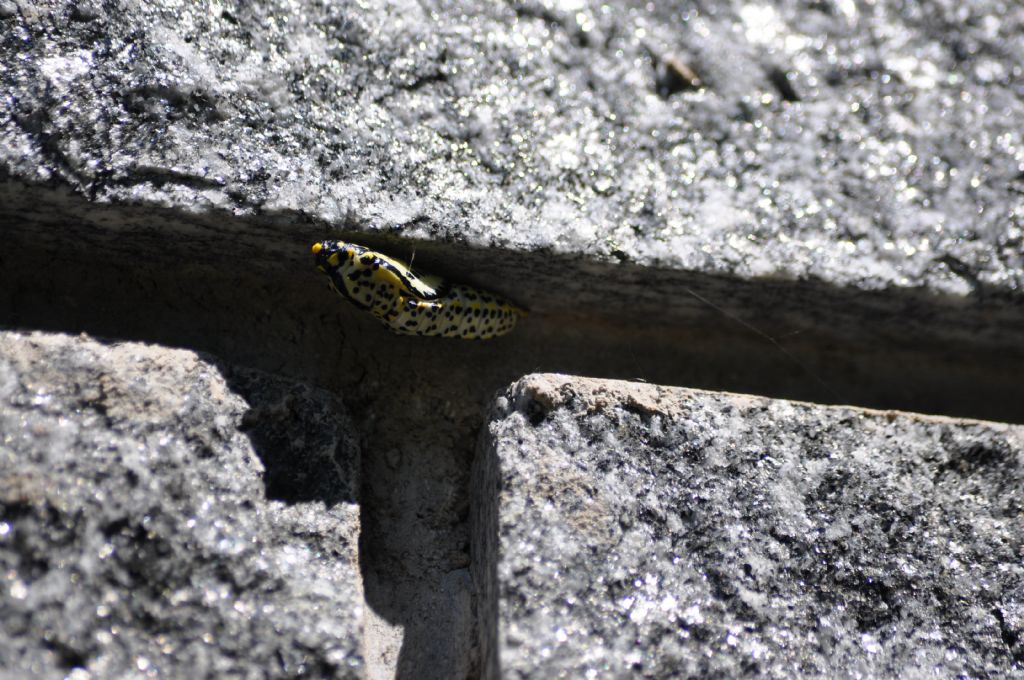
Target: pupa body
{"type": "Point", "coordinates": [412, 304]}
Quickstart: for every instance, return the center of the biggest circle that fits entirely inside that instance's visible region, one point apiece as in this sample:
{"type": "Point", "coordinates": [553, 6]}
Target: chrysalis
{"type": "Point", "coordinates": [412, 304]}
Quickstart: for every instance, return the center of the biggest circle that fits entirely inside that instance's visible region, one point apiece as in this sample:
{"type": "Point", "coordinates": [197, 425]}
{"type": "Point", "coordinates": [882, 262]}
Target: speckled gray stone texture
{"type": "Point", "coordinates": [629, 530]}
{"type": "Point", "coordinates": [136, 536]}
{"type": "Point", "coordinates": [872, 145]}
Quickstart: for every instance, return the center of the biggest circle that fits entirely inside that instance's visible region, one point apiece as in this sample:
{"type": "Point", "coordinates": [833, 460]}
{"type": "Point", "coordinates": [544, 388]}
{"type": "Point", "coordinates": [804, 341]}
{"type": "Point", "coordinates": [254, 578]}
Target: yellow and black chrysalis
{"type": "Point", "coordinates": [412, 304]}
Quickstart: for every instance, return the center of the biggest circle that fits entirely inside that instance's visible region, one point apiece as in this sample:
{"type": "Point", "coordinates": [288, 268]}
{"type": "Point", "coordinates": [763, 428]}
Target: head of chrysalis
{"type": "Point", "coordinates": [328, 255]}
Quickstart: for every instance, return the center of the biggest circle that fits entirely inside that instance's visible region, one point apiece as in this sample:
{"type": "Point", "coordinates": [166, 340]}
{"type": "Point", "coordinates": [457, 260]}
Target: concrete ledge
{"type": "Point", "coordinates": [136, 531]}
{"type": "Point", "coordinates": [629, 529]}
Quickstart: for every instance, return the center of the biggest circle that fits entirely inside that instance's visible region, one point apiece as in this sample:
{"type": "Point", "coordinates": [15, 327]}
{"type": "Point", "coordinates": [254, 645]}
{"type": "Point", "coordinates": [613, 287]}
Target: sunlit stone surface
{"type": "Point", "coordinates": [872, 146]}
{"type": "Point", "coordinates": [161, 514]}
{"type": "Point", "coordinates": [625, 529]}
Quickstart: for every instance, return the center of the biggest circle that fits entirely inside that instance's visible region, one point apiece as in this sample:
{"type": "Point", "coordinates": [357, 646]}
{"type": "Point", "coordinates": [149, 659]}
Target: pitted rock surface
{"type": "Point", "coordinates": [625, 529]}
{"type": "Point", "coordinates": [136, 535]}
{"type": "Point", "coordinates": [869, 146]}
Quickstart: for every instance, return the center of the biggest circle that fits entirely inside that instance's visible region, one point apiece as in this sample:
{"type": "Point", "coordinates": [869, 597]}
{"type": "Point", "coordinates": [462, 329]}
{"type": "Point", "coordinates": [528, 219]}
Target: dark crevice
{"type": "Point", "coordinates": [160, 177]}
{"type": "Point", "coordinates": [782, 81]}
{"type": "Point", "coordinates": [1009, 635]}
{"type": "Point", "coordinates": [68, 657]}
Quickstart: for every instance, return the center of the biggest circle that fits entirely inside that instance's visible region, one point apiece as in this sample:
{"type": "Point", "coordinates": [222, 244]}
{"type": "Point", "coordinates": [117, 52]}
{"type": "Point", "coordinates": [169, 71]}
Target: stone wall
{"type": "Point", "coordinates": [801, 200]}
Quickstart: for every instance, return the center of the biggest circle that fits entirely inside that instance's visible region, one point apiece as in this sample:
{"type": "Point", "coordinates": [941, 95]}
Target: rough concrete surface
{"type": "Point", "coordinates": [138, 535]}
{"type": "Point", "coordinates": [828, 145]}
{"type": "Point", "coordinates": [625, 529]}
